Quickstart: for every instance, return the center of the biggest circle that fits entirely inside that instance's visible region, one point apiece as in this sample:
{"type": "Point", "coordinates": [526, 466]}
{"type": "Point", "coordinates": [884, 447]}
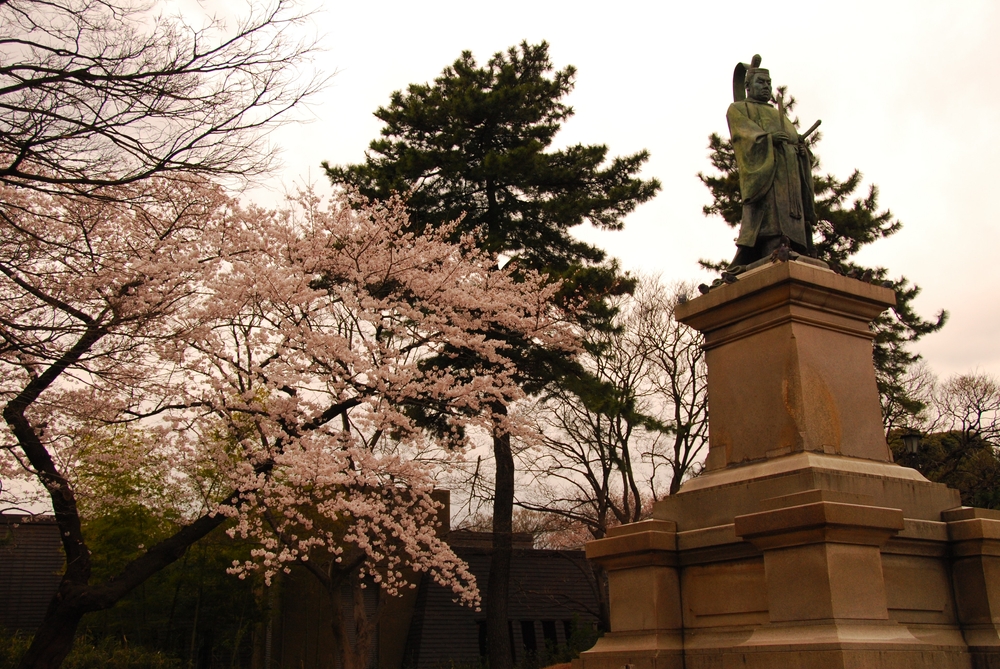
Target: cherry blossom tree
{"type": "Point", "coordinates": [258, 367]}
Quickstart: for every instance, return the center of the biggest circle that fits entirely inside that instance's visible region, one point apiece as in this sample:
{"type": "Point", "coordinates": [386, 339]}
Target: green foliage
{"type": "Point", "coordinates": [192, 609]}
{"type": "Point", "coordinates": [846, 223]}
{"type": "Point", "coordinates": [475, 144]}
{"type": "Point", "coordinates": [187, 613]}
{"type": "Point", "coordinates": [116, 468]}
{"type": "Point", "coordinates": [118, 536]}
{"type": "Point", "coordinates": [962, 448]}
{"type": "Point", "coordinates": [971, 465]}
{"type": "Point", "coordinates": [88, 653]}
{"type": "Point", "coordinates": [724, 185]}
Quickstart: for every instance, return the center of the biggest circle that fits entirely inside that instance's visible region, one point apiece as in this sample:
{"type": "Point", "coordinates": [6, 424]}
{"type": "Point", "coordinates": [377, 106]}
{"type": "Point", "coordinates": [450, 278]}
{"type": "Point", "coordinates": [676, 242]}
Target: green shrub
{"type": "Point", "coordinates": [105, 653]}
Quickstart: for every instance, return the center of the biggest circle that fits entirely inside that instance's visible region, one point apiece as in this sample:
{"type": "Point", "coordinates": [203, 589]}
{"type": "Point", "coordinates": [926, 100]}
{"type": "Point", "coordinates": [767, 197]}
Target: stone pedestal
{"type": "Point", "coordinates": [802, 544]}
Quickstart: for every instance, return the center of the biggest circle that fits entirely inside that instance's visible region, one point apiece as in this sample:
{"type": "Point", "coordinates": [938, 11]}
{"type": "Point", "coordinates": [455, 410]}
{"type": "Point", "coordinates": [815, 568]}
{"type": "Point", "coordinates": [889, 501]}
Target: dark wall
{"type": "Point", "coordinates": [549, 592]}
{"type": "Point", "coordinates": [301, 632]}
{"type": "Point", "coordinates": [31, 564]}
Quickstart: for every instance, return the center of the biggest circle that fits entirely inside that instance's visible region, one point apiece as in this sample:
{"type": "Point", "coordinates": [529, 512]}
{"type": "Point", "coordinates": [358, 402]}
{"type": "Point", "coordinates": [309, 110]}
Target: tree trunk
{"type": "Point", "coordinates": [497, 631]}
{"type": "Point", "coordinates": [601, 590]}
{"type": "Point", "coordinates": [364, 624]}
{"type": "Point", "coordinates": [54, 639]}
{"type": "Point", "coordinates": [338, 626]}
{"type": "Point", "coordinates": [677, 472]}
{"type": "Point", "coordinates": [352, 656]}
{"type": "Point", "coordinates": [76, 597]}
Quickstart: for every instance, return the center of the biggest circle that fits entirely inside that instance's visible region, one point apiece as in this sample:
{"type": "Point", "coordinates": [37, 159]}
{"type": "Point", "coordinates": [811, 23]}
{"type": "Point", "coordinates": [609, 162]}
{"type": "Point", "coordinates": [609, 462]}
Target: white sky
{"type": "Point", "coordinates": [906, 92]}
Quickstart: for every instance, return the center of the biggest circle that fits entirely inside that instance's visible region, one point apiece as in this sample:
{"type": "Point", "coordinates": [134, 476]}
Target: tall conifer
{"type": "Point", "coordinates": [477, 144]}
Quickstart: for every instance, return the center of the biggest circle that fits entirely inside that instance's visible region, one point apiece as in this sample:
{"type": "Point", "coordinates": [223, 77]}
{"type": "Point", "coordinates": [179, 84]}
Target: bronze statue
{"type": "Point", "coordinates": [775, 169]}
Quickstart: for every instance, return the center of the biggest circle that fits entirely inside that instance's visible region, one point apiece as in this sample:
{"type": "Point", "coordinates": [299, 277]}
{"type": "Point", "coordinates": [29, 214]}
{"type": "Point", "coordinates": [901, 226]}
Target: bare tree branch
{"type": "Point", "coordinates": [95, 94]}
{"type": "Point", "coordinates": [604, 456]}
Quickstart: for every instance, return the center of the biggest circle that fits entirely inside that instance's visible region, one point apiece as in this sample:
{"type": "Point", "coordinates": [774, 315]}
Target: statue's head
{"type": "Point", "coordinates": [758, 81]}
{"type": "Point", "coordinates": [759, 86]}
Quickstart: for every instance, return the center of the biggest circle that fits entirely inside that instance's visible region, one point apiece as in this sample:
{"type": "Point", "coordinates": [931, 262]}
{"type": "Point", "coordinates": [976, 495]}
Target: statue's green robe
{"type": "Point", "coordinates": [775, 181]}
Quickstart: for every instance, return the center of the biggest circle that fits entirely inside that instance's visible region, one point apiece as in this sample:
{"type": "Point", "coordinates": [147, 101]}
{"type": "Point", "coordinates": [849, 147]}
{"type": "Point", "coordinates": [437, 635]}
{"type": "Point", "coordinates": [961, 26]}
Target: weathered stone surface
{"type": "Point", "coordinates": [803, 545]}
{"type": "Point", "coordinates": [789, 353]}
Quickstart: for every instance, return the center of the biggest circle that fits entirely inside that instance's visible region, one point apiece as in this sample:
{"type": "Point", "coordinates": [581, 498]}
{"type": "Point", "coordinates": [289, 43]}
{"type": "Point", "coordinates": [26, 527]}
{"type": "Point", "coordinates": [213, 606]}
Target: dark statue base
{"type": "Point", "coordinates": [802, 544]}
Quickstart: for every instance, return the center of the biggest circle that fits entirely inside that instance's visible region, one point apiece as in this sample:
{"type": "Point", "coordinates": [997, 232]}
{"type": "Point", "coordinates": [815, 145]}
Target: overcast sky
{"type": "Point", "coordinates": [907, 92]}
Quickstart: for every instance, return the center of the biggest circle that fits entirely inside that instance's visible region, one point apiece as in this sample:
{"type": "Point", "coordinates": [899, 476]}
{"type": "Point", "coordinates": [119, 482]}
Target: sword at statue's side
{"type": "Point", "coordinates": [781, 118]}
{"type": "Point", "coordinates": [803, 170]}
{"type": "Point", "coordinates": [805, 177]}
{"type": "Point", "coordinates": [809, 131]}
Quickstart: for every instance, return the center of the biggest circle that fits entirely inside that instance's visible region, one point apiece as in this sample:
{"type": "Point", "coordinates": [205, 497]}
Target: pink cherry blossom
{"type": "Point", "coordinates": [181, 351]}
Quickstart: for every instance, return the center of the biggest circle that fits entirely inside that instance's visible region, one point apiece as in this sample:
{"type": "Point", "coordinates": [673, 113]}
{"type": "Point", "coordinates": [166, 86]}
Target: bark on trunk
{"type": "Point", "coordinates": [497, 633]}
{"type": "Point", "coordinates": [352, 656]}
{"type": "Point", "coordinates": [364, 625]}
{"type": "Point", "coordinates": [338, 626]}
{"type": "Point", "coordinates": [76, 597]}
{"type": "Point", "coordinates": [53, 640]}
{"type": "Point", "coordinates": [601, 590]}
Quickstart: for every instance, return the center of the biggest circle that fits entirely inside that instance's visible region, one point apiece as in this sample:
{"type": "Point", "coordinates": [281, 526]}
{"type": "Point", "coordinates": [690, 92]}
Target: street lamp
{"type": "Point", "coordinates": [911, 441]}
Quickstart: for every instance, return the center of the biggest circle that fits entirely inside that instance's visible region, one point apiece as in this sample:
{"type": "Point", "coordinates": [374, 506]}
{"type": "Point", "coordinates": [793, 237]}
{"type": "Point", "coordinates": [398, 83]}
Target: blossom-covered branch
{"type": "Point", "coordinates": [230, 362]}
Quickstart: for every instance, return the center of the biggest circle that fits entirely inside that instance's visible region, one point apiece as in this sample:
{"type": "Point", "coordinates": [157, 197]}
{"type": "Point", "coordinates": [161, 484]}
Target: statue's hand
{"type": "Point", "coordinates": [780, 137]}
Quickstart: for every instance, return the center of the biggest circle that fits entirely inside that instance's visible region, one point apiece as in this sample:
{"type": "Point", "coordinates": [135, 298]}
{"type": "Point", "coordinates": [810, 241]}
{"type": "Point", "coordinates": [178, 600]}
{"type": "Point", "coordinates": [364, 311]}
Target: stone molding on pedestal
{"type": "Point", "coordinates": [802, 544]}
{"type": "Point", "coordinates": [974, 536]}
{"type": "Point", "coordinates": [788, 348]}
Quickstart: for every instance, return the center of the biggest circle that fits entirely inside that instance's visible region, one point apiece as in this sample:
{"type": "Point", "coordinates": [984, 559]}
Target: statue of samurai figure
{"type": "Point", "coordinates": [775, 170]}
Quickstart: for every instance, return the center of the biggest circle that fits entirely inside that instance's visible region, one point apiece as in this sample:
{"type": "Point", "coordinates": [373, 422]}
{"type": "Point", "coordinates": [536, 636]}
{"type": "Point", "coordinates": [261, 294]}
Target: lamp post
{"type": "Point", "coordinates": [911, 441]}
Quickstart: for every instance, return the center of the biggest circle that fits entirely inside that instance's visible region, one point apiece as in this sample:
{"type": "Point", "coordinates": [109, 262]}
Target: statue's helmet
{"type": "Point", "coordinates": [743, 76]}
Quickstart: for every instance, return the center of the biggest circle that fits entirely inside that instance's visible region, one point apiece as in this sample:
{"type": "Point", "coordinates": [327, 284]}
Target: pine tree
{"type": "Point", "coordinates": [476, 144]}
{"type": "Point", "coordinates": [847, 221]}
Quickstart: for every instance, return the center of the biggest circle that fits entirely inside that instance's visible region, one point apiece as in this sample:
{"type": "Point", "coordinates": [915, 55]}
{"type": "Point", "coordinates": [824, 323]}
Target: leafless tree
{"type": "Point", "coordinates": [913, 407]}
{"type": "Point", "coordinates": [95, 93]}
{"type": "Point", "coordinates": [961, 444]}
{"type": "Point", "coordinates": [969, 405]}
{"type": "Point", "coordinates": [679, 376]}
{"type": "Point", "coordinates": [608, 455]}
